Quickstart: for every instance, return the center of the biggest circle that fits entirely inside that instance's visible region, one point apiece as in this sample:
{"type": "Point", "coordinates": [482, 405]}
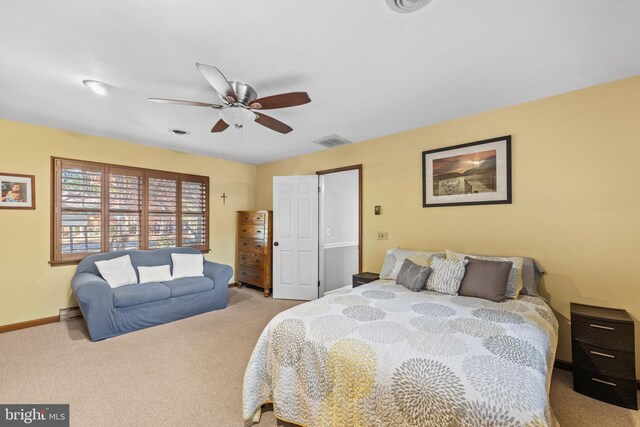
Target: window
{"type": "Point", "coordinates": [101, 208]}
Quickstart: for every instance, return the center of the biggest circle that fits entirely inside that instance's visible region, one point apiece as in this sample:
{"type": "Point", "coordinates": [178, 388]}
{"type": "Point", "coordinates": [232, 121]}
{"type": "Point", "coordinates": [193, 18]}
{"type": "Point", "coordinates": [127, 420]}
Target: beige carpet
{"type": "Point", "coordinates": [187, 373]}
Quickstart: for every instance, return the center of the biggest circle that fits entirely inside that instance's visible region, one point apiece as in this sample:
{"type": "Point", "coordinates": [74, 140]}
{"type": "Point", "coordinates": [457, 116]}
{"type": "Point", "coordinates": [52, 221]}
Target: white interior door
{"type": "Point", "coordinates": [295, 237]}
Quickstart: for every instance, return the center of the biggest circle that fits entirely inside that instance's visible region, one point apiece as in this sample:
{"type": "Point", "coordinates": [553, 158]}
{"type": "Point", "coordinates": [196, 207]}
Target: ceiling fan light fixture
{"type": "Point", "coordinates": [237, 116]}
{"type": "Point", "coordinates": [96, 87]}
{"type": "Point", "coordinates": [406, 6]}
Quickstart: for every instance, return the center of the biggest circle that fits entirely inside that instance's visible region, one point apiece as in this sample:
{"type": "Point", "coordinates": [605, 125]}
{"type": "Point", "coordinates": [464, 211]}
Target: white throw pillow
{"type": "Point", "coordinates": [187, 265]}
{"type": "Point", "coordinates": [117, 271]}
{"type": "Point", "coordinates": [446, 276]}
{"type": "Point", "coordinates": [395, 258]}
{"type": "Point", "coordinates": [160, 273]}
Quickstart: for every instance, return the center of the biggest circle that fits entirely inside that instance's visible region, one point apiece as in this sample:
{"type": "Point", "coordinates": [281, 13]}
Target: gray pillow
{"type": "Point", "coordinates": [532, 272]}
{"type": "Point", "coordinates": [485, 279]}
{"type": "Point", "coordinates": [413, 276]}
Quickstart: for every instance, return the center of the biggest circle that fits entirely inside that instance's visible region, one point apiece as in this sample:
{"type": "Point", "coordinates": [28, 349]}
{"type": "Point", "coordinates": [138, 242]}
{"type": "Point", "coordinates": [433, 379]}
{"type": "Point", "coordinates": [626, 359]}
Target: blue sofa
{"type": "Point", "coordinates": [114, 311]}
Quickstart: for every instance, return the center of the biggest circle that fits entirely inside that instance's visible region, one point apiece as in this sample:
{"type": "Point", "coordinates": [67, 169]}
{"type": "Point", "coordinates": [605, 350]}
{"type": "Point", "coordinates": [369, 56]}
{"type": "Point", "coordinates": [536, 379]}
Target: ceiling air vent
{"type": "Point", "coordinates": [331, 141]}
{"type": "Point", "coordinates": [406, 6]}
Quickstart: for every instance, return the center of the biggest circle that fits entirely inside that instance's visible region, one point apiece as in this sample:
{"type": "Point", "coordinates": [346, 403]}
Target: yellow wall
{"type": "Point", "coordinates": [576, 203]}
{"type": "Point", "coordinates": [30, 288]}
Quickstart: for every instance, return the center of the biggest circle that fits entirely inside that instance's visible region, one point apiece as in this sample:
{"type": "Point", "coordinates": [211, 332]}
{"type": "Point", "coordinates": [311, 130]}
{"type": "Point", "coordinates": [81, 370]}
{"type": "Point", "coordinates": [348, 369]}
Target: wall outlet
{"type": "Point", "coordinates": [383, 235]}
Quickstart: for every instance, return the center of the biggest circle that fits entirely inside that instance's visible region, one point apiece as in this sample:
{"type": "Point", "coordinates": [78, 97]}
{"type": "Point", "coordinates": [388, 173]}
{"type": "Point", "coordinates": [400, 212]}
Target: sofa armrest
{"type": "Point", "coordinates": [91, 289]}
{"type": "Point", "coordinates": [219, 273]}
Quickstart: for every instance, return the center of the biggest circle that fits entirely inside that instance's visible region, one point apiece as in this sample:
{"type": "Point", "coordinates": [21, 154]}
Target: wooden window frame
{"type": "Point", "coordinates": [58, 258]}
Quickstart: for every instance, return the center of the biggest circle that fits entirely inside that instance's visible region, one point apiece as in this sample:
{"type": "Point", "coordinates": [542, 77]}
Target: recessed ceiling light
{"type": "Point", "coordinates": [178, 132]}
{"type": "Point", "coordinates": [406, 6]}
{"type": "Point", "coordinates": [97, 87]}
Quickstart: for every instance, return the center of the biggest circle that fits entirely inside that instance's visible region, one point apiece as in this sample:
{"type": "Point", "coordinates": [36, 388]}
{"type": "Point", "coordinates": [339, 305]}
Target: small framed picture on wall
{"type": "Point", "coordinates": [476, 173]}
{"type": "Point", "coordinates": [17, 191]}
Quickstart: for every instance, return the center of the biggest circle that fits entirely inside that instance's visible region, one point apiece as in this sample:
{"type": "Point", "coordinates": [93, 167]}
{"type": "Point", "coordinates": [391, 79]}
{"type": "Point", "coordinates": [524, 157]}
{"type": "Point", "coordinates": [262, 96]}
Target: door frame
{"type": "Point", "coordinates": [359, 169]}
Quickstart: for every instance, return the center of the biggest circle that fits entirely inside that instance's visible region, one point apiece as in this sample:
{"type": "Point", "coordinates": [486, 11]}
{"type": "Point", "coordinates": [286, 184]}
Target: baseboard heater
{"type": "Point", "coordinates": [70, 313]}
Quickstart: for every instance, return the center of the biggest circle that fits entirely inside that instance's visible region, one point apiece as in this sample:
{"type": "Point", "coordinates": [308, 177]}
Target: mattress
{"type": "Point", "coordinates": [382, 355]}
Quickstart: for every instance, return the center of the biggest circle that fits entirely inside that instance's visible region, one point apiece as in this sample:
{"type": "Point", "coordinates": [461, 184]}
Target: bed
{"type": "Point", "coordinates": [382, 355]}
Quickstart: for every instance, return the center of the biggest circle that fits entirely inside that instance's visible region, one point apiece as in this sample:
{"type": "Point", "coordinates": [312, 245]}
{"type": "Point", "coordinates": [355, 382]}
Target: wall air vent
{"type": "Point", "coordinates": [406, 6]}
{"type": "Point", "coordinates": [331, 141]}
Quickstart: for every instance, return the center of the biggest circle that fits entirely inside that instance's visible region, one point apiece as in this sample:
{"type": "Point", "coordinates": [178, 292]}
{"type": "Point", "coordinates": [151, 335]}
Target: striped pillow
{"type": "Point", "coordinates": [446, 276]}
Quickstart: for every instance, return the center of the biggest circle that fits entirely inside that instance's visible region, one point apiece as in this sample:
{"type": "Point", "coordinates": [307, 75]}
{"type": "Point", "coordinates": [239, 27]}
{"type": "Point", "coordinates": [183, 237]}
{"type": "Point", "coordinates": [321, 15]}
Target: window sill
{"type": "Point", "coordinates": [77, 261]}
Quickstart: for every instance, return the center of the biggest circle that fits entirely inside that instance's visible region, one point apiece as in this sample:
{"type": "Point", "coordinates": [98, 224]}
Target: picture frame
{"type": "Point", "coordinates": [17, 191]}
{"type": "Point", "coordinates": [475, 173]}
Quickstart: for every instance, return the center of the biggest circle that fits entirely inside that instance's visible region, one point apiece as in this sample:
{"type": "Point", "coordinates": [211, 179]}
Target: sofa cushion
{"type": "Point", "coordinates": [127, 295]}
{"type": "Point", "coordinates": [189, 285]}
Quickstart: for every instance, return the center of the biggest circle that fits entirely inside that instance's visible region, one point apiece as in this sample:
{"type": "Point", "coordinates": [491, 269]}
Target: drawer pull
{"type": "Point", "coordinates": [258, 231]}
{"type": "Point", "coordinates": [604, 382]}
{"type": "Point", "coordinates": [608, 328]}
{"type": "Point", "coordinates": [597, 353]}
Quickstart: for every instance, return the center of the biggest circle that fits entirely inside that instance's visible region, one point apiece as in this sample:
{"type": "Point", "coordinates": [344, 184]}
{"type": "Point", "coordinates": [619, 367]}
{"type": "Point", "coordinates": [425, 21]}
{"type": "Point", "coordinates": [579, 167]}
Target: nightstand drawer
{"type": "Point", "coordinates": [616, 363]}
{"type": "Point", "coordinates": [603, 333]}
{"type": "Point", "coordinates": [605, 388]}
{"type": "Point", "coordinates": [360, 282]}
{"type": "Point", "coordinates": [364, 278]}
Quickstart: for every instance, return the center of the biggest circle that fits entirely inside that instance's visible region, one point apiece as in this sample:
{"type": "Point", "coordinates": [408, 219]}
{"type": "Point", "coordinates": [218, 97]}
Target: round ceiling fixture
{"type": "Point", "coordinates": [406, 6]}
{"type": "Point", "coordinates": [96, 87]}
{"type": "Point", "coordinates": [237, 116]}
{"type": "Point", "coordinates": [179, 132]}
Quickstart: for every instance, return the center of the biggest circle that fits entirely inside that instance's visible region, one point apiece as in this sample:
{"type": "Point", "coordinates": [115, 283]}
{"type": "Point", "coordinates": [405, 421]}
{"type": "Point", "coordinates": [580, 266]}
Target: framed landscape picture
{"type": "Point", "coordinates": [17, 191]}
{"type": "Point", "coordinates": [477, 173]}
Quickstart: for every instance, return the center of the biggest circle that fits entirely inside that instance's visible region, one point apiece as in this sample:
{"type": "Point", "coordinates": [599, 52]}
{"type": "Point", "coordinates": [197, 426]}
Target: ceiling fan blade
{"type": "Point", "coordinates": [272, 123]}
{"type": "Point", "coordinates": [218, 81]}
{"type": "Point", "coordinates": [219, 126]}
{"type": "Point", "coordinates": [188, 103]}
{"type": "Point", "coordinates": [283, 100]}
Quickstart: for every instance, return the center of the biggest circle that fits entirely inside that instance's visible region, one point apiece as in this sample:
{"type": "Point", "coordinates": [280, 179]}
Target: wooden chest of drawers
{"type": "Point", "coordinates": [603, 349]}
{"type": "Point", "coordinates": [253, 249]}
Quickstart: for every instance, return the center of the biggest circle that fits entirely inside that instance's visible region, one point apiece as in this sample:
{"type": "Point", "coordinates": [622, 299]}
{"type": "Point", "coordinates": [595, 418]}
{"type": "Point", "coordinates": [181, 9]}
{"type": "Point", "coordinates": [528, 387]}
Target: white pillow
{"type": "Point", "coordinates": [395, 258]}
{"type": "Point", "coordinates": [446, 276]}
{"type": "Point", "coordinates": [117, 271]}
{"type": "Point", "coordinates": [160, 273]}
{"type": "Point", "coordinates": [187, 265]}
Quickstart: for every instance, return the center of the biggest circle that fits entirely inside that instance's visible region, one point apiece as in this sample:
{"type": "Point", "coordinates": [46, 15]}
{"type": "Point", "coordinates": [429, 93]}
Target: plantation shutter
{"type": "Point", "coordinates": [194, 207]}
{"type": "Point", "coordinates": [80, 205]}
{"type": "Point", "coordinates": [163, 209]}
{"type": "Point", "coordinates": [125, 209]}
{"type": "Point", "coordinates": [101, 208]}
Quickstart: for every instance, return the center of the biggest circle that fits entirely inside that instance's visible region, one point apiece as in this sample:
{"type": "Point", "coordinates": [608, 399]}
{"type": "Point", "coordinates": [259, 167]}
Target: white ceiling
{"type": "Point", "coordinates": [369, 71]}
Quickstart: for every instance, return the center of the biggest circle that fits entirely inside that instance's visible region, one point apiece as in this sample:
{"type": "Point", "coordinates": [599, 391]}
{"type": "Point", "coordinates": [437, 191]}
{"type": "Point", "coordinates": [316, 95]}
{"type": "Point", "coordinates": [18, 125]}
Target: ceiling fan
{"type": "Point", "coordinates": [241, 102]}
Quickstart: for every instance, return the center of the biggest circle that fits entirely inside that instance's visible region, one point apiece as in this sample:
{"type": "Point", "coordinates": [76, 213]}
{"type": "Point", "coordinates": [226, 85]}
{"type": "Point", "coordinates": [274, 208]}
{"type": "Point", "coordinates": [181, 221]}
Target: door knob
{"type": "Point", "coordinates": [275, 243]}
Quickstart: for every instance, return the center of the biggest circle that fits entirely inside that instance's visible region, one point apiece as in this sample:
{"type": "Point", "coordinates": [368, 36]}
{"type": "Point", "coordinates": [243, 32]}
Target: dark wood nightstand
{"type": "Point", "coordinates": [364, 278]}
{"type": "Point", "coordinates": [603, 349]}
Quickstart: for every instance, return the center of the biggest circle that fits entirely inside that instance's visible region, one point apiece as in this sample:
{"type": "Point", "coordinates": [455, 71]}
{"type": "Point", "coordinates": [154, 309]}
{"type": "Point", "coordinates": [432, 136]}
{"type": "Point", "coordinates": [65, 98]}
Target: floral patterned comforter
{"type": "Point", "coordinates": [381, 355]}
